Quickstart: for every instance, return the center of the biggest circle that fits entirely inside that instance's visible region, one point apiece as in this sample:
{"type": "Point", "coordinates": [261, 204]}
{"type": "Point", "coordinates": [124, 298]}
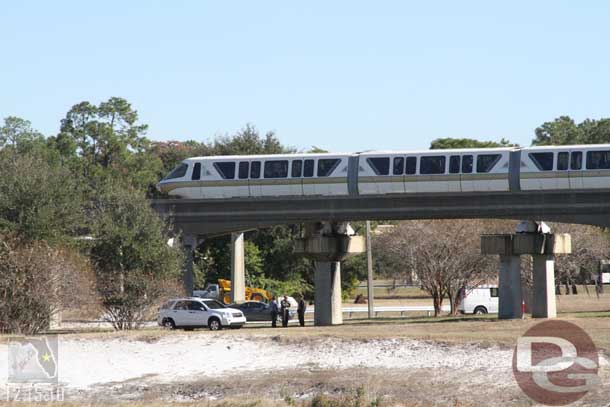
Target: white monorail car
{"type": "Point", "coordinates": [255, 176]}
{"type": "Point", "coordinates": [392, 172]}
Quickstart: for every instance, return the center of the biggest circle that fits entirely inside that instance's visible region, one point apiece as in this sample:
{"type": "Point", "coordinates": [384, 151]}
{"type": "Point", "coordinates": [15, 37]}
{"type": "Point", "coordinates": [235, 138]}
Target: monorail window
{"type": "Point", "coordinates": [326, 166]}
{"type": "Point", "coordinates": [308, 168]}
{"type": "Point", "coordinates": [297, 168]}
{"type": "Point", "coordinates": [598, 160]}
{"type": "Point", "coordinates": [226, 169]}
{"type": "Point", "coordinates": [178, 172]}
{"type": "Point", "coordinates": [276, 169]}
{"type": "Point", "coordinates": [562, 161]}
{"type": "Point", "coordinates": [196, 172]}
{"type": "Point", "coordinates": [454, 164]}
{"type": "Point", "coordinates": [467, 161]}
{"type": "Point", "coordinates": [381, 165]}
{"type": "Point", "coordinates": [576, 160]}
{"type": "Point", "coordinates": [398, 166]}
{"type": "Point", "coordinates": [544, 161]}
{"type": "Point", "coordinates": [485, 162]}
{"type": "Point", "coordinates": [411, 167]}
{"type": "Point", "coordinates": [244, 169]}
{"type": "Point", "coordinates": [432, 164]}
{"type": "Point", "coordinates": [255, 169]}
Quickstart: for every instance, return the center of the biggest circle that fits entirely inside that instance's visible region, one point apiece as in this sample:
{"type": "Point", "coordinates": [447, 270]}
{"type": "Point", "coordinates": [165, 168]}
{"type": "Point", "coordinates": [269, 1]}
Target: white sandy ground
{"type": "Point", "coordinates": [85, 364]}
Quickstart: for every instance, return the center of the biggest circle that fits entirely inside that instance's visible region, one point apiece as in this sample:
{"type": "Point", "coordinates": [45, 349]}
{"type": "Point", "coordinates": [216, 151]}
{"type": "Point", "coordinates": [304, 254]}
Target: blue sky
{"type": "Point", "coordinates": [342, 75]}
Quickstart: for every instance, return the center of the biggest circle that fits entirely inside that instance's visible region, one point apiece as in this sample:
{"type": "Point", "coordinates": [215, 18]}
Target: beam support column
{"type": "Point", "coordinates": [238, 268]}
{"type": "Point", "coordinates": [544, 303]}
{"type": "Point", "coordinates": [327, 278]}
{"type": "Point", "coordinates": [190, 244]}
{"type": "Point", "coordinates": [542, 247]}
{"type": "Point", "coordinates": [328, 244]}
{"type": "Point", "coordinates": [509, 288]}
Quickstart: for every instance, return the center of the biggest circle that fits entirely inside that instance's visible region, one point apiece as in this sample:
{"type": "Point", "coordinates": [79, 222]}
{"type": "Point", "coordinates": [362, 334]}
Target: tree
{"type": "Point", "coordinates": [562, 130]}
{"type": "Point", "coordinates": [565, 131]}
{"type": "Point", "coordinates": [135, 266]}
{"type": "Point", "coordinates": [18, 135]}
{"type": "Point", "coordinates": [444, 255]}
{"type": "Point", "coordinates": [37, 282]}
{"type": "Point", "coordinates": [590, 244]}
{"type": "Point", "coordinates": [110, 142]}
{"type": "Point", "coordinates": [454, 143]}
{"type": "Point", "coordinates": [39, 199]}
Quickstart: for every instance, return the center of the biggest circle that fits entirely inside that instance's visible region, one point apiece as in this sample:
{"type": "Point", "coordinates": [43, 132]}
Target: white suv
{"type": "Point", "coordinates": [190, 313]}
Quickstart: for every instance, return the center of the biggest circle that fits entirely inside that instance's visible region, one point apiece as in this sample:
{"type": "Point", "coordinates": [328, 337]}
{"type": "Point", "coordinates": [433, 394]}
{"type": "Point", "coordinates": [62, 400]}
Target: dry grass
{"type": "Point", "coordinates": [306, 388]}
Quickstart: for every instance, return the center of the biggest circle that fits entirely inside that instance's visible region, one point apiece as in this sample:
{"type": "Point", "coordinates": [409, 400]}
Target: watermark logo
{"type": "Point", "coordinates": [33, 360]}
{"type": "Point", "coordinates": [556, 363]}
{"type": "Point", "coordinates": [33, 365]}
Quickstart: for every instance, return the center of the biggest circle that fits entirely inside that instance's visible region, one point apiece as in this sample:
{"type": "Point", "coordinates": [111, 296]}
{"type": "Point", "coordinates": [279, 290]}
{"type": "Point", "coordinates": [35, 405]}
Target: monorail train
{"type": "Point", "coordinates": [392, 172]}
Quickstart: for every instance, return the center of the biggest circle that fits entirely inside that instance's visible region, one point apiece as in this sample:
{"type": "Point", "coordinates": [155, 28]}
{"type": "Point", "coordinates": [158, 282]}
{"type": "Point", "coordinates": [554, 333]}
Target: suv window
{"type": "Point", "coordinates": [181, 305]}
{"type": "Point", "coordinates": [213, 304]}
{"type": "Point", "coordinates": [196, 306]}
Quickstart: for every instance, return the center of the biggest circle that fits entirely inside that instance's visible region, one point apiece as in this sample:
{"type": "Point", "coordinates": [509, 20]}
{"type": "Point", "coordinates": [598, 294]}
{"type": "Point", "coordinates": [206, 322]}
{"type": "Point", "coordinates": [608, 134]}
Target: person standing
{"type": "Point", "coordinates": [301, 310]}
{"type": "Point", "coordinates": [285, 304]}
{"type": "Point", "coordinates": [274, 312]}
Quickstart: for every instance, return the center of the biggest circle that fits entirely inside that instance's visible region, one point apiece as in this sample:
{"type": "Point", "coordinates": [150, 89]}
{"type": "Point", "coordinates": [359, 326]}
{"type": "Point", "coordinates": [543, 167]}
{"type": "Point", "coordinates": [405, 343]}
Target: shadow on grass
{"type": "Point", "coordinates": [420, 320]}
{"type": "Point", "coordinates": [587, 314]}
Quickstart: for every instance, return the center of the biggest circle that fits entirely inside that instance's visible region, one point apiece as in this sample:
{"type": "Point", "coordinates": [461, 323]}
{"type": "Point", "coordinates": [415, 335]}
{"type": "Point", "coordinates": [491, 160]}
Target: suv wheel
{"type": "Point", "coordinates": [214, 324]}
{"type": "Point", "coordinates": [169, 323]}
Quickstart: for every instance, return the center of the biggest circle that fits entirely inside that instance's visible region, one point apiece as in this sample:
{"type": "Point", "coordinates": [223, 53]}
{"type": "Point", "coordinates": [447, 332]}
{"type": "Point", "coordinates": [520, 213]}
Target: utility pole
{"type": "Point", "coordinates": [369, 265]}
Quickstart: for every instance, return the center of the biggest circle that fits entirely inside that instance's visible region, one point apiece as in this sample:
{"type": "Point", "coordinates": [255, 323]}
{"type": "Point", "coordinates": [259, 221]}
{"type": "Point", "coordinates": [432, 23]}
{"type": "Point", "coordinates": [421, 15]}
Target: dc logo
{"type": "Point", "coordinates": [556, 363]}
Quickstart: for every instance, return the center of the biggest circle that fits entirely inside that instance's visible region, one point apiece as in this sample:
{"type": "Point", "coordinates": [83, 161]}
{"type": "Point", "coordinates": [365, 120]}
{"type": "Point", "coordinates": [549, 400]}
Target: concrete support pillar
{"type": "Point", "coordinates": [509, 288]}
{"type": "Point", "coordinates": [238, 268]}
{"type": "Point", "coordinates": [190, 244]}
{"type": "Point", "coordinates": [328, 293]}
{"type": "Point", "coordinates": [544, 303]}
{"type": "Point", "coordinates": [369, 265]}
{"type": "Point", "coordinates": [542, 247]}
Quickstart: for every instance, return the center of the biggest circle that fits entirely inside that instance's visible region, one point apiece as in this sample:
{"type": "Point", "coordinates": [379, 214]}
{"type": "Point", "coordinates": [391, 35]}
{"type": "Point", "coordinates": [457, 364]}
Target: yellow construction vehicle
{"type": "Point", "coordinates": [222, 292]}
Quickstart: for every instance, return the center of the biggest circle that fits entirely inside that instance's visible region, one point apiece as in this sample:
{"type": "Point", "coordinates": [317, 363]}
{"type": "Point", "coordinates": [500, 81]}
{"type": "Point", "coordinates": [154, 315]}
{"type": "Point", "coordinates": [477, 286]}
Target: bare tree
{"type": "Point", "coordinates": [590, 244]}
{"type": "Point", "coordinates": [444, 255]}
{"type": "Point", "coordinates": [37, 282]}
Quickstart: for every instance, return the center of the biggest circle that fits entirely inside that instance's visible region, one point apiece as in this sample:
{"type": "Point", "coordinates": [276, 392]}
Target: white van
{"type": "Point", "coordinates": [480, 300]}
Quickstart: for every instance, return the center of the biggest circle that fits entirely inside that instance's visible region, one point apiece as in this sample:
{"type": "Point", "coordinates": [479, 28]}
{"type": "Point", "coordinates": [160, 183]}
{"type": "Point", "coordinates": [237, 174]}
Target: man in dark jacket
{"type": "Point", "coordinates": [301, 310]}
{"type": "Point", "coordinates": [285, 304]}
{"type": "Point", "coordinates": [274, 312]}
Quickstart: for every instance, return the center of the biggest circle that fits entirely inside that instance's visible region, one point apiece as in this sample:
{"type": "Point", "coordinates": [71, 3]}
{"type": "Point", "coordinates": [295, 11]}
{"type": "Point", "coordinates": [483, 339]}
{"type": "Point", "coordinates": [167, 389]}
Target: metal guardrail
{"type": "Point", "coordinates": [402, 309]}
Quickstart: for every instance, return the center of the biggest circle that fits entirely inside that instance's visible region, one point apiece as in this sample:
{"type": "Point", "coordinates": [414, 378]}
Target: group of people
{"type": "Point", "coordinates": [283, 309]}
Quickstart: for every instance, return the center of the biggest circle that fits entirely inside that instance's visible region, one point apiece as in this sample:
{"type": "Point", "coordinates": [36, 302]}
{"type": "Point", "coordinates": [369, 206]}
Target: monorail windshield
{"type": "Point", "coordinates": [178, 172]}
